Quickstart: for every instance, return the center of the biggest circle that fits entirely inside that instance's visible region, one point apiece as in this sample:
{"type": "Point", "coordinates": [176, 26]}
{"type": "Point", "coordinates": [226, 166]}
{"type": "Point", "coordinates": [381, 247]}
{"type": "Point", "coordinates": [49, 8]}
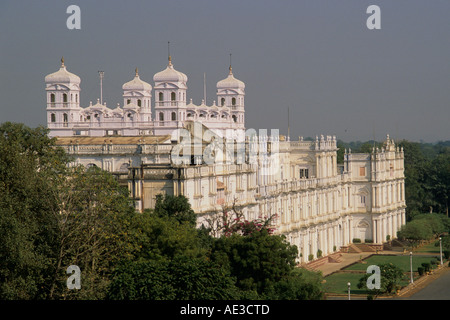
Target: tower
{"type": "Point", "coordinates": [63, 101]}
{"type": "Point", "coordinates": [231, 93]}
{"type": "Point", "coordinates": [138, 94]}
{"type": "Point", "coordinates": [170, 99]}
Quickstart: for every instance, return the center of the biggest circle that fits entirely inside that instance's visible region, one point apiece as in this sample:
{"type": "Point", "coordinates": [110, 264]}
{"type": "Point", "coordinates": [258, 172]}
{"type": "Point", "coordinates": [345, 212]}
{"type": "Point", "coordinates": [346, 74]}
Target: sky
{"type": "Point", "coordinates": [315, 58]}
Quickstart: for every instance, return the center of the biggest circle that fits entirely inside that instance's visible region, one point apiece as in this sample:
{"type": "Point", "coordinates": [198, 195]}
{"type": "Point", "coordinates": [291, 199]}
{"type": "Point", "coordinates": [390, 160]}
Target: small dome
{"type": "Point", "coordinates": [136, 84]}
{"type": "Point", "coordinates": [230, 82]}
{"type": "Point", "coordinates": [170, 75]}
{"type": "Point", "coordinates": [62, 76]}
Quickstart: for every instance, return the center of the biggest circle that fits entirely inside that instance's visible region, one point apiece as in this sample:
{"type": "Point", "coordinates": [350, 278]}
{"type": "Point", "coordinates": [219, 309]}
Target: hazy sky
{"type": "Point", "coordinates": [316, 57]}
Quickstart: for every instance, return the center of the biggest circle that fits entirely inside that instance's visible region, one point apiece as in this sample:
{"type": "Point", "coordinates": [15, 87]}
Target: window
{"type": "Point", "coordinates": [233, 101]}
{"type": "Point", "coordinates": [128, 101]}
{"type": "Point", "coordinates": [139, 102]}
{"type": "Point", "coordinates": [362, 171]}
{"type": "Point", "coordinates": [161, 96]}
{"type": "Point", "coordinates": [304, 173]}
{"type": "Point", "coordinates": [173, 96]}
{"type": "Point", "coordinates": [53, 117]}
{"type": "Point", "coordinates": [234, 118]}
{"type": "Point", "coordinates": [174, 116]}
{"type": "Point", "coordinates": [222, 102]}
{"type": "Point", "coordinates": [65, 119]}
{"type": "Point", "coordinates": [161, 116]}
{"type": "Point", "coordinates": [52, 98]}
{"type": "Point", "coordinates": [64, 97]}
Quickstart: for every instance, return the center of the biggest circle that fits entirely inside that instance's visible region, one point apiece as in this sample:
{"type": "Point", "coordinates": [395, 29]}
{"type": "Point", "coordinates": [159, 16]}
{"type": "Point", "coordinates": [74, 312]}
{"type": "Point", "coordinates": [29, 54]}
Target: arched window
{"type": "Point", "coordinates": [222, 102]}
{"type": "Point", "coordinates": [161, 116]}
{"type": "Point", "coordinates": [234, 118]}
{"type": "Point", "coordinates": [139, 102]}
{"type": "Point", "coordinates": [64, 97]}
{"type": "Point", "coordinates": [128, 101]}
{"type": "Point", "coordinates": [65, 119]}
{"type": "Point", "coordinates": [52, 98]}
{"type": "Point", "coordinates": [233, 101]}
{"type": "Point", "coordinates": [53, 117]}
{"type": "Point", "coordinates": [173, 96]}
{"type": "Point", "coordinates": [174, 116]}
{"type": "Point", "coordinates": [76, 98]}
{"type": "Point", "coordinates": [161, 96]}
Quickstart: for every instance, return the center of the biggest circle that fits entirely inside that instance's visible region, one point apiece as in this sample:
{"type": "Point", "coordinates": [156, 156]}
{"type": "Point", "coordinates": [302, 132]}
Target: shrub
{"type": "Point", "coordinates": [420, 270]}
{"type": "Point", "coordinates": [319, 253]}
{"type": "Point", "coordinates": [426, 266]}
{"type": "Point", "coordinates": [310, 257]}
{"type": "Point", "coordinates": [356, 240]}
{"type": "Point", "coordinates": [368, 241]}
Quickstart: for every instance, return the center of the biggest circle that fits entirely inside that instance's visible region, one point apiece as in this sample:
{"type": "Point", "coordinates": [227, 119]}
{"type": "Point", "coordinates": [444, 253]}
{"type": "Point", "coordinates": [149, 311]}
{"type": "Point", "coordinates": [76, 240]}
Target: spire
{"type": "Point", "coordinates": [136, 71]}
{"type": "Point", "coordinates": [231, 72]}
{"type": "Point", "coordinates": [62, 62]}
{"type": "Point", "coordinates": [168, 53]}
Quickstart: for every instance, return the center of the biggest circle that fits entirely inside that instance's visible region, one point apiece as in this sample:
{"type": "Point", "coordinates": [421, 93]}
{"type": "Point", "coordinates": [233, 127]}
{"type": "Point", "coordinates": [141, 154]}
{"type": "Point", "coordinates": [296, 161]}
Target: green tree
{"type": "Point", "coordinates": [300, 284]}
{"type": "Point", "coordinates": [155, 237]}
{"type": "Point", "coordinates": [31, 168]}
{"type": "Point", "coordinates": [177, 207]}
{"type": "Point", "coordinates": [93, 216]}
{"type": "Point", "coordinates": [415, 231]}
{"type": "Point", "coordinates": [182, 278]}
{"type": "Point", "coordinates": [390, 277]}
{"type": "Point", "coordinates": [257, 260]}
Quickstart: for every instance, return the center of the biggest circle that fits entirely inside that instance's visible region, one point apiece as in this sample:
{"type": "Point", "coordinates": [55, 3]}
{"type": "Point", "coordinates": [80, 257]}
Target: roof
{"type": "Point", "coordinates": [62, 76]}
{"type": "Point", "coordinates": [230, 82]}
{"type": "Point", "coordinates": [137, 84]}
{"type": "Point", "coordinates": [61, 141]}
{"type": "Point", "coordinates": [170, 75]}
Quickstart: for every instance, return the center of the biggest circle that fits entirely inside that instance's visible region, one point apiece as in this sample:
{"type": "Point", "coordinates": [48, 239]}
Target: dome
{"type": "Point", "coordinates": [136, 84]}
{"type": "Point", "coordinates": [230, 82]}
{"type": "Point", "coordinates": [62, 76]}
{"type": "Point", "coordinates": [170, 75]}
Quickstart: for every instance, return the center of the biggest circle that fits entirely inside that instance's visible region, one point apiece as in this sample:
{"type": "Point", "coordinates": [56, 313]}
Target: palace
{"type": "Point", "coordinates": [206, 154]}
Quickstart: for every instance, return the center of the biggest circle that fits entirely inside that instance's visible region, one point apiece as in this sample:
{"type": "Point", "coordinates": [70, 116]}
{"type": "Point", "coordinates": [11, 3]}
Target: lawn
{"type": "Point", "coordinates": [337, 283]}
{"type": "Point", "coordinates": [401, 261]}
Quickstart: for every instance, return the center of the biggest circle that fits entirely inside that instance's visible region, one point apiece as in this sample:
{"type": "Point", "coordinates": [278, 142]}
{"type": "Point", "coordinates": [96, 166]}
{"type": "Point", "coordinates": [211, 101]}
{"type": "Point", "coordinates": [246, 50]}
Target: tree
{"type": "Point", "coordinates": [175, 206]}
{"type": "Point", "coordinates": [300, 284]}
{"type": "Point", "coordinates": [93, 213]}
{"type": "Point", "coordinates": [182, 278]}
{"type": "Point", "coordinates": [31, 168]}
{"type": "Point", "coordinates": [257, 260]}
{"type": "Point", "coordinates": [415, 231]}
{"type": "Point", "coordinates": [390, 277]}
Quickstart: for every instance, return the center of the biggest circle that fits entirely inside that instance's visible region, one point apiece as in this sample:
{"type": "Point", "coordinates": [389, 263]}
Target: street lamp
{"type": "Point", "coordinates": [410, 256]}
{"type": "Point", "coordinates": [348, 285]}
{"type": "Point", "coordinates": [440, 246]}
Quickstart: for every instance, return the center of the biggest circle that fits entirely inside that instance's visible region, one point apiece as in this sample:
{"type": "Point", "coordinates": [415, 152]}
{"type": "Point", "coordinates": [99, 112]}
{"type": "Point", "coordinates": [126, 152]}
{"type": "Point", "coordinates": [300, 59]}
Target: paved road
{"type": "Point", "coordinates": [438, 289]}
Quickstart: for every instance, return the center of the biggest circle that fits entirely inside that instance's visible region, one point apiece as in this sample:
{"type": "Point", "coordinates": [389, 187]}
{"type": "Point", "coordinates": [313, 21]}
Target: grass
{"type": "Point", "coordinates": [401, 261]}
{"type": "Point", "coordinates": [337, 283]}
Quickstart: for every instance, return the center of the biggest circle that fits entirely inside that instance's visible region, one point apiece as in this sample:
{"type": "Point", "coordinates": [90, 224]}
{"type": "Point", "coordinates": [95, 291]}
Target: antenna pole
{"type": "Point", "coordinates": [204, 87]}
{"type": "Point", "coordinates": [101, 73]}
{"type": "Point", "coordinates": [288, 135]}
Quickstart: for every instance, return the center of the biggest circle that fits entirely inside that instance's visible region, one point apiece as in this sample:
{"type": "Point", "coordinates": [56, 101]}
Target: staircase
{"type": "Point", "coordinates": [360, 247]}
{"type": "Point", "coordinates": [332, 258]}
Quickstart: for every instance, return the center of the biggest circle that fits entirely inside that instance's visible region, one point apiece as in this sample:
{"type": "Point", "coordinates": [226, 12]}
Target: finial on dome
{"type": "Point", "coordinates": [168, 53]}
{"type": "Point", "coordinates": [136, 71]}
{"type": "Point", "coordinates": [62, 61]}
{"type": "Point", "coordinates": [231, 72]}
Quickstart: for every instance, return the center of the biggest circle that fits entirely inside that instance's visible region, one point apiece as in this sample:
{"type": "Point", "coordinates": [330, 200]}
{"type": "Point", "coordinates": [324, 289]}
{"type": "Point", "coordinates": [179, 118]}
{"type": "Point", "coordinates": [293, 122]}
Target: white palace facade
{"type": "Point", "coordinates": [168, 146]}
